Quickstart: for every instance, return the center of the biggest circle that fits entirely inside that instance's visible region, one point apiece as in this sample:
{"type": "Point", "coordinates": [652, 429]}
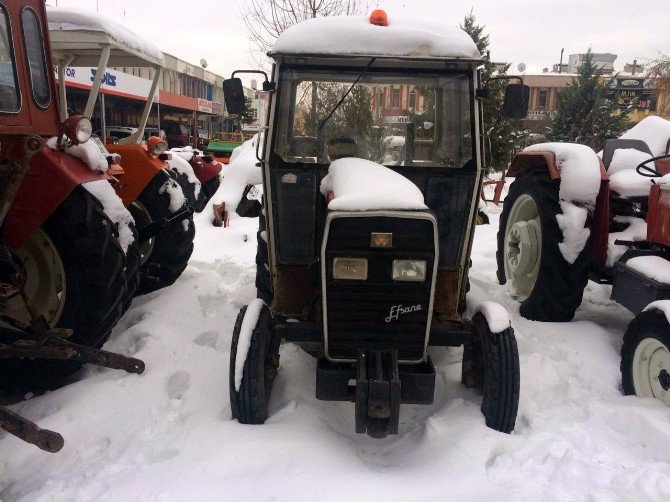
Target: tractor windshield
{"type": "Point", "coordinates": [9, 88]}
{"type": "Point", "coordinates": [392, 119]}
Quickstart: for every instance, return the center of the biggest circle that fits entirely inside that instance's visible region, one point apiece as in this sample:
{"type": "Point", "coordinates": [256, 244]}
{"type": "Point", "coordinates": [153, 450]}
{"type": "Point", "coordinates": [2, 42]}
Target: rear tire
{"type": "Point", "coordinates": [552, 290]}
{"type": "Point", "coordinates": [197, 203]}
{"type": "Point", "coordinates": [249, 404]}
{"type": "Point", "coordinates": [491, 364]}
{"type": "Point", "coordinates": [210, 187]}
{"type": "Point", "coordinates": [263, 281]}
{"type": "Point", "coordinates": [645, 357]}
{"type": "Point", "coordinates": [133, 262]}
{"type": "Point", "coordinates": [167, 258]}
{"type": "Point", "coordinates": [92, 288]}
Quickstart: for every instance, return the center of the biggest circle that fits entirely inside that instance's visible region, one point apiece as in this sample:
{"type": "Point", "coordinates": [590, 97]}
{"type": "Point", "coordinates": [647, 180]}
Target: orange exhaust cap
{"type": "Point", "coordinates": [379, 18]}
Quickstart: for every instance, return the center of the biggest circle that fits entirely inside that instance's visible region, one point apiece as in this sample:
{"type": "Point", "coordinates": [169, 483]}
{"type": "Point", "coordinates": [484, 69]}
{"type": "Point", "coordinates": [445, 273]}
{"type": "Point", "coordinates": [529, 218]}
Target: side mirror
{"type": "Point", "coordinates": [233, 95]}
{"type": "Point", "coordinates": [515, 105]}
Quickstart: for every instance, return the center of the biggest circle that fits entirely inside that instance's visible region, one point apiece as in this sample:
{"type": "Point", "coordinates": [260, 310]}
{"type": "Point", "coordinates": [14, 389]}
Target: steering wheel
{"type": "Point", "coordinates": [650, 172]}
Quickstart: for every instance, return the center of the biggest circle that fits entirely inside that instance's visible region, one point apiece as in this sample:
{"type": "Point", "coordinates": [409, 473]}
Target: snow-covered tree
{"type": "Point", "coordinates": [583, 113]}
{"type": "Point", "coordinates": [507, 135]}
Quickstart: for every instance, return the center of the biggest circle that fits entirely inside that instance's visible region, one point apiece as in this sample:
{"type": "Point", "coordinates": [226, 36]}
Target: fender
{"type": "Point", "coordinates": [597, 244]}
{"type": "Point", "coordinates": [139, 169]}
{"type": "Point", "coordinates": [204, 167]}
{"type": "Point", "coordinates": [51, 177]}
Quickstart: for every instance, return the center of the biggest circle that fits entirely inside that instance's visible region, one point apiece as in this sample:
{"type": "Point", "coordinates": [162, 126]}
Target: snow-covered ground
{"type": "Point", "coordinates": [168, 434]}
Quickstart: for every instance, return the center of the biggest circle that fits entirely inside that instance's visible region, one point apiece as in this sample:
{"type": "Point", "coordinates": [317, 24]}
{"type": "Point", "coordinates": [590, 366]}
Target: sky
{"type": "Point", "coordinates": [521, 31]}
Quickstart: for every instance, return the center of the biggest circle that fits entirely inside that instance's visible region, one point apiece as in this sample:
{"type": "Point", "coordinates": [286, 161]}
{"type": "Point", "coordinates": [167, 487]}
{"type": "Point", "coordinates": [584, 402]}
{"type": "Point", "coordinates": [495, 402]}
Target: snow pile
{"type": "Point", "coordinates": [662, 305]}
{"type": "Point", "coordinates": [626, 158]}
{"type": "Point", "coordinates": [354, 35]}
{"type": "Point", "coordinates": [628, 183]}
{"type": "Point", "coordinates": [186, 152]}
{"type": "Point", "coordinates": [580, 183]}
{"type": "Point", "coordinates": [655, 267]}
{"type": "Point", "coordinates": [114, 209]}
{"type": "Point", "coordinates": [635, 231]}
{"type": "Point", "coordinates": [88, 152]}
{"type": "Point", "coordinates": [363, 185]}
{"type": "Point", "coordinates": [68, 19]}
{"type": "Point", "coordinates": [496, 316]}
{"type": "Point", "coordinates": [242, 170]}
{"type": "Point", "coordinates": [244, 341]}
{"type": "Point", "coordinates": [654, 131]}
{"type": "Point", "coordinates": [182, 166]}
{"type": "Point", "coordinates": [177, 198]}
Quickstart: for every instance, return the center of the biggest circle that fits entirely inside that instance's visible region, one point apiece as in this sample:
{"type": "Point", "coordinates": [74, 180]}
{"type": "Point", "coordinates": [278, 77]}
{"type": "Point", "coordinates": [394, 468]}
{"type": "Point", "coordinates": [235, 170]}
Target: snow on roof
{"type": "Point", "coordinates": [363, 185]}
{"type": "Point", "coordinates": [653, 130]}
{"type": "Point", "coordinates": [354, 35]}
{"type": "Point", "coordinates": [580, 170]}
{"type": "Point", "coordinates": [75, 19]}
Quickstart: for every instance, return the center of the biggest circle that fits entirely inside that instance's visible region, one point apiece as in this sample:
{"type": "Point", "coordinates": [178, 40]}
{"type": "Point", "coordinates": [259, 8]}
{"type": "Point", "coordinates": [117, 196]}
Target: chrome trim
{"type": "Point", "coordinates": [12, 53]}
{"type": "Point", "coordinates": [412, 215]}
{"type": "Point", "coordinates": [44, 58]}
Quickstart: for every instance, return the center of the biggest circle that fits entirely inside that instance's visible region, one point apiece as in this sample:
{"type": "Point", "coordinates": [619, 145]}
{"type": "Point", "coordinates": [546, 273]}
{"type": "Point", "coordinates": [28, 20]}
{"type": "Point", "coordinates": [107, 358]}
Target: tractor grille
{"type": "Point", "coordinates": [378, 313]}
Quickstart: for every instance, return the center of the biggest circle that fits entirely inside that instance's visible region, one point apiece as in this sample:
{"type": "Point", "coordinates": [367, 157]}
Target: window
{"type": "Point", "coordinates": [412, 99]}
{"type": "Point", "coordinates": [542, 99]}
{"type": "Point", "coordinates": [9, 87]}
{"type": "Point", "coordinates": [395, 98]}
{"type": "Point", "coordinates": [39, 77]}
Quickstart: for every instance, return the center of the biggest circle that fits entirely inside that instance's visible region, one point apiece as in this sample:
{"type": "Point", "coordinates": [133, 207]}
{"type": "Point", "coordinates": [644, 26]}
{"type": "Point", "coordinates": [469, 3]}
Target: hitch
{"type": "Point", "coordinates": [156, 227]}
{"type": "Point", "coordinates": [29, 432]}
{"type": "Point", "coordinates": [377, 393]}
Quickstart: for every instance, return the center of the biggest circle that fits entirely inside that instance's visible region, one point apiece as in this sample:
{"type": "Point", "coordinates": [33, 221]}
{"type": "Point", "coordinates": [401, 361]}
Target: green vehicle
{"type": "Point", "coordinates": [221, 146]}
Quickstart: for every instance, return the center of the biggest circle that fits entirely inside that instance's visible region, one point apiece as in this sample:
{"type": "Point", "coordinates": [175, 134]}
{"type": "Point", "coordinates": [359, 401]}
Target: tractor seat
{"type": "Point", "coordinates": [341, 147]}
{"type": "Point", "coordinates": [611, 145]}
{"type": "Point", "coordinates": [621, 157]}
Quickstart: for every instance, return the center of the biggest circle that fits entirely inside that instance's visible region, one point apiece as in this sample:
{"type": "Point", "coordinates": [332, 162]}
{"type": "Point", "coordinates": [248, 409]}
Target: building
{"type": "Point", "coordinates": [544, 89]}
{"type": "Point", "coordinates": [603, 61]}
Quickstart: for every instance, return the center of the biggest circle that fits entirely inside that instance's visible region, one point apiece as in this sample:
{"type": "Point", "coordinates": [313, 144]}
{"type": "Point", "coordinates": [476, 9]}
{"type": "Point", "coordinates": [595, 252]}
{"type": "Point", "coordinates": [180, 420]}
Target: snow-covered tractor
{"type": "Point", "coordinates": [363, 253]}
{"type": "Point", "coordinates": [571, 215]}
{"type": "Point", "coordinates": [66, 240]}
{"type": "Point", "coordinates": [159, 191]}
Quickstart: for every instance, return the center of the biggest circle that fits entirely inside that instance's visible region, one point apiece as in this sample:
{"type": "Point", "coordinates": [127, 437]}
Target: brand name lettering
{"type": "Point", "coordinates": [397, 310]}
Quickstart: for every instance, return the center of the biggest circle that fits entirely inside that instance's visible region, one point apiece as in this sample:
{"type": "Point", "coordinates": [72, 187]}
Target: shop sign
{"type": "Point", "coordinates": [205, 105]}
{"type": "Point", "coordinates": [113, 82]}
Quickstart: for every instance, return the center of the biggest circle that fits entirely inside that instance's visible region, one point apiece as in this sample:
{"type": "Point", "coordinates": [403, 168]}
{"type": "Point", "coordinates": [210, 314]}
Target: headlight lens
{"type": "Point", "coordinates": [355, 269]}
{"type": "Point", "coordinates": [160, 147]}
{"type": "Point", "coordinates": [83, 130]}
{"type": "Point", "coordinates": [409, 270]}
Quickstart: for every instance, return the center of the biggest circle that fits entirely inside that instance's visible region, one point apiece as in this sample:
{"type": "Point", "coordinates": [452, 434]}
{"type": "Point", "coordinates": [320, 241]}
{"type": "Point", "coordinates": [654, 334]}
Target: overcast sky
{"type": "Point", "coordinates": [528, 31]}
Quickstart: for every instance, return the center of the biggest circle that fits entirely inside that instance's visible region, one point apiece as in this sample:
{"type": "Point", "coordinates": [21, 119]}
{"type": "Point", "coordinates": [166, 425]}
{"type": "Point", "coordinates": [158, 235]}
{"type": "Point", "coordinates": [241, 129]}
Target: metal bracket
{"type": "Point", "coordinates": [377, 393]}
{"type": "Point", "coordinates": [156, 227]}
{"type": "Point", "coordinates": [29, 432]}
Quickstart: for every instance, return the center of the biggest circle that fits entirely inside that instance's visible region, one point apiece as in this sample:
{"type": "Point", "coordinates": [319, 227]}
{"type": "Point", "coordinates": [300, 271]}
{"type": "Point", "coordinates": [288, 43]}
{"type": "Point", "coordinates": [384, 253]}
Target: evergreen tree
{"type": "Point", "coordinates": [583, 113]}
{"type": "Point", "coordinates": [506, 135]}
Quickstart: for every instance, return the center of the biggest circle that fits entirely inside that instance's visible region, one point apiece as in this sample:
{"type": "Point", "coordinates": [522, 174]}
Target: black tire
{"type": "Point", "coordinates": [197, 203]}
{"type": "Point", "coordinates": [86, 242]}
{"type": "Point", "coordinates": [482, 218]}
{"type": "Point", "coordinates": [210, 187]}
{"type": "Point", "coordinates": [491, 364]}
{"type": "Point", "coordinates": [651, 324]}
{"type": "Point", "coordinates": [172, 248]}
{"type": "Point", "coordinates": [263, 281]}
{"type": "Point", "coordinates": [132, 271]}
{"type": "Point", "coordinates": [249, 405]}
{"type": "Point", "coordinates": [559, 286]}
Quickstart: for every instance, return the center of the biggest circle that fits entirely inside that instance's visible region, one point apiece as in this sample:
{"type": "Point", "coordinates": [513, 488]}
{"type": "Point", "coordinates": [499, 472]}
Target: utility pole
{"type": "Point", "coordinates": [560, 64]}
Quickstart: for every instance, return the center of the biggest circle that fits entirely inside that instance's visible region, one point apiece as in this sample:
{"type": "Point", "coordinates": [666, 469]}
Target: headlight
{"type": "Point", "coordinates": [409, 270]}
{"type": "Point", "coordinates": [156, 146]}
{"type": "Point", "coordinates": [83, 130]}
{"type": "Point", "coordinates": [355, 269]}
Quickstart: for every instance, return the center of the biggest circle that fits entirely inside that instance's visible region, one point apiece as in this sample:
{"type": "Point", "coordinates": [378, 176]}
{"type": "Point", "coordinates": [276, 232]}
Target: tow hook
{"type": "Point", "coordinates": [156, 227]}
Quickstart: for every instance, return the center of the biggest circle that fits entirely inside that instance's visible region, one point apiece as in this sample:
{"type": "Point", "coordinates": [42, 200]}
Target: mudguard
{"type": "Point", "coordinates": [139, 169]}
{"type": "Point", "coordinates": [205, 167]}
{"type": "Point", "coordinates": [51, 177]}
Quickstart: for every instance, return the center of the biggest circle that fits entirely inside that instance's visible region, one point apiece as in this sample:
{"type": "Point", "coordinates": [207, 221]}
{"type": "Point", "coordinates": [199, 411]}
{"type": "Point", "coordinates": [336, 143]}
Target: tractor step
{"type": "Point", "coordinates": [633, 289]}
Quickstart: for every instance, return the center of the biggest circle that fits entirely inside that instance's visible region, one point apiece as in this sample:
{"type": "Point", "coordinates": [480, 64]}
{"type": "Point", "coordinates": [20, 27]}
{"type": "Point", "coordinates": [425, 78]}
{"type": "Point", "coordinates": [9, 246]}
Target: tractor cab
{"type": "Point", "coordinates": [372, 166]}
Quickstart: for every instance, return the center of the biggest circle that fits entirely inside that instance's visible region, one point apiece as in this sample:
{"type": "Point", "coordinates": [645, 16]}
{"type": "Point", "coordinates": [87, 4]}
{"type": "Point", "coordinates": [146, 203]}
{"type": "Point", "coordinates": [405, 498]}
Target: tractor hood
{"type": "Point", "coordinates": [354, 184]}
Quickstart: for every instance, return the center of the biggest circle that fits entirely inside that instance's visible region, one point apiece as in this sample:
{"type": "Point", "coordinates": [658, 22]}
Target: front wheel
{"type": "Point", "coordinates": [548, 287]}
{"type": "Point", "coordinates": [645, 357]}
{"type": "Point", "coordinates": [491, 364]}
{"type": "Point", "coordinates": [254, 359]}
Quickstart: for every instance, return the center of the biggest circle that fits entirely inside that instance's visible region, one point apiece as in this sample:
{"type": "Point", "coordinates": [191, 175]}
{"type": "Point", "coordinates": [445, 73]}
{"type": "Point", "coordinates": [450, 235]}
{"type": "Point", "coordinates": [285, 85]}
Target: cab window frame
{"type": "Point", "coordinates": [45, 66]}
{"type": "Point", "coordinates": [12, 54]}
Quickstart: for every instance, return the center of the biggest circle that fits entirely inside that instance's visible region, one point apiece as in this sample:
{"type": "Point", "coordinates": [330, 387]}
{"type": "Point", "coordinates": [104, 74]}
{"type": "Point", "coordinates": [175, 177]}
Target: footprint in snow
{"type": "Point", "coordinates": [177, 384]}
{"type": "Point", "coordinates": [207, 339]}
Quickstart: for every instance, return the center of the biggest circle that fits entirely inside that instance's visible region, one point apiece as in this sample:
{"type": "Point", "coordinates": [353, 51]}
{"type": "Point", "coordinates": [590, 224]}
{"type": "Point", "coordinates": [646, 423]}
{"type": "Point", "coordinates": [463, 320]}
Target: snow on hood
{"type": "Point", "coordinates": [186, 152]}
{"type": "Point", "coordinates": [654, 131]}
{"type": "Point", "coordinates": [182, 166]}
{"type": "Point", "coordinates": [69, 19]}
{"type": "Point", "coordinates": [363, 185]}
{"type": "Point", "coordinates": [88, 152]}
{"type": "Point", "coordinates": [580, 170]}
{"type": "Point", "coordinates": [354, 35]}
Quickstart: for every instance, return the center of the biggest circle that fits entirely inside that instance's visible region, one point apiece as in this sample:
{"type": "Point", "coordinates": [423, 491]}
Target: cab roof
{"type": "Point", "coordinates": [356, 36]}
{"type": "Point", "coordinates": [82, 33]}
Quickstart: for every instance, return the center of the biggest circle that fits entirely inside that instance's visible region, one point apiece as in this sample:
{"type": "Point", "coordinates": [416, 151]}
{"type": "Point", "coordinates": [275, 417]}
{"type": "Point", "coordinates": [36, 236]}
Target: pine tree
{"type": "Point", "coordinates": [506, 134]}
{"type": "Point", "coordinates": [583, 113]}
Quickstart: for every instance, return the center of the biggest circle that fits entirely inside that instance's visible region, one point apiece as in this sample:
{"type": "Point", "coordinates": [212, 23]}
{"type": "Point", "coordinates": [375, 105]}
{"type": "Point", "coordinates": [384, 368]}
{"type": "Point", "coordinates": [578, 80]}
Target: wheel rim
{"type": "Point", "coordinates": [651, 370]}
{"type": "Point", "coordinates": [523, 246]}
{"type": "Point", "coordinates": [142, 218]}
{"type": "Point", "coordinates": [45, 283]}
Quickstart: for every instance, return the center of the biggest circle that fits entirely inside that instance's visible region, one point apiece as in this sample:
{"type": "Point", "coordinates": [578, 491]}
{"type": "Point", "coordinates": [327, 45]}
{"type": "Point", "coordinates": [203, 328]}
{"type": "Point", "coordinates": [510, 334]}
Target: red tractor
{"type": "Point", "coordinates": [549, 246]}
{"type": "Point", "coordinates": [64, 276]}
